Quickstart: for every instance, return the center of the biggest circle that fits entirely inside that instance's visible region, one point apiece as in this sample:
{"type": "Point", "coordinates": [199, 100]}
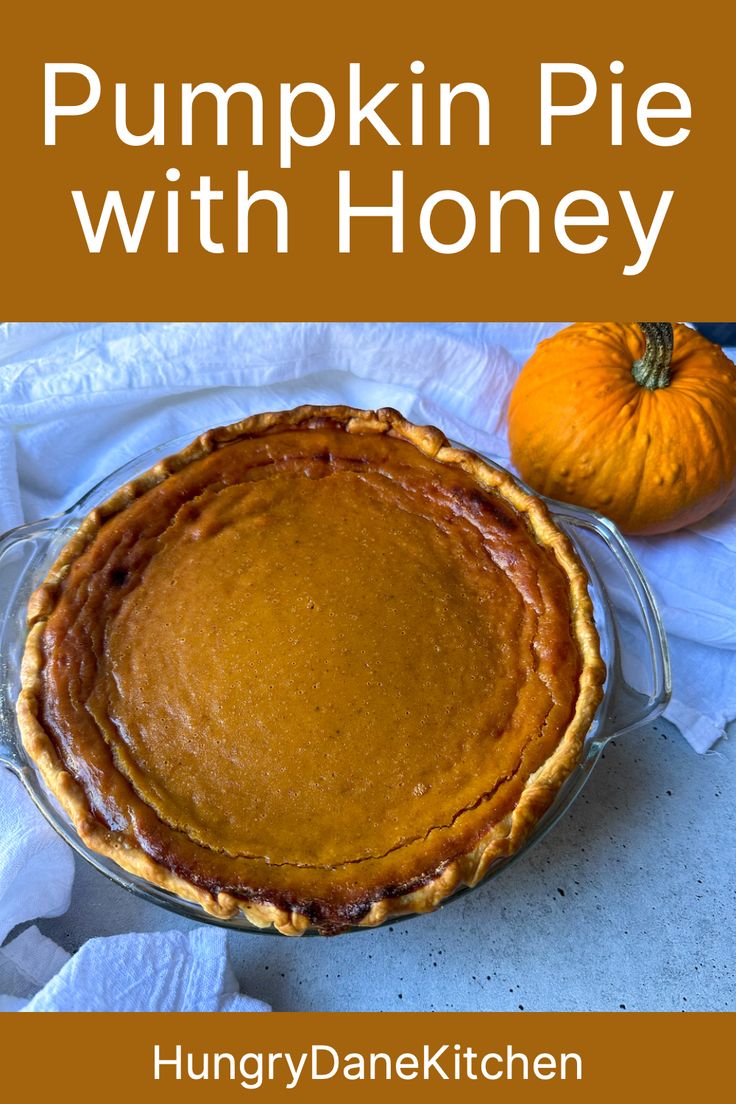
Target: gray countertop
{"type": "Point", "coordinates": [628, 904]}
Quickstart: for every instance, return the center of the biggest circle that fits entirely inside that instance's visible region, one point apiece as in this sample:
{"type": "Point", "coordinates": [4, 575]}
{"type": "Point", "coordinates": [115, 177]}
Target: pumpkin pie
{"type": "Point", "coordinates": [319, 668]}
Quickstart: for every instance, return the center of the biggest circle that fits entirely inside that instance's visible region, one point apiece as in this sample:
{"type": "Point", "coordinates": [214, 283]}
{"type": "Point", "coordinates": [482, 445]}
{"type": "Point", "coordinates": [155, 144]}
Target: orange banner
{"type": "Point", "coordinates": [604, 1057]}
{"type": "Point", "coordinates": [403, 161]}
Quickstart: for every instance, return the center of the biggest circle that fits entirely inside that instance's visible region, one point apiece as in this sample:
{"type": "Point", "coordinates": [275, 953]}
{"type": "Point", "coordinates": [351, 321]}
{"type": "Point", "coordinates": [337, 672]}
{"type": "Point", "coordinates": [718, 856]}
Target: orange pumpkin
{"type": "Point", "coordinates": [634, 420]}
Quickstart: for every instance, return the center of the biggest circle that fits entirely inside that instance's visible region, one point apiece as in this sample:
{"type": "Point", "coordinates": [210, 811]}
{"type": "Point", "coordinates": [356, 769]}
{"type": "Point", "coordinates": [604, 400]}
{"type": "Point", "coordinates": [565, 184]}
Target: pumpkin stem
{"type": "Point", "coordinates": [653, 369]}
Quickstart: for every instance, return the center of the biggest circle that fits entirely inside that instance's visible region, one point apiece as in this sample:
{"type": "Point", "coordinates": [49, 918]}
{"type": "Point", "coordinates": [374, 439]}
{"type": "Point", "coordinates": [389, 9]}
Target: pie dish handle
{"type": "Point", "coordinates": [624, 592]}
{"type": "Point", "coordinates": [21, 551]}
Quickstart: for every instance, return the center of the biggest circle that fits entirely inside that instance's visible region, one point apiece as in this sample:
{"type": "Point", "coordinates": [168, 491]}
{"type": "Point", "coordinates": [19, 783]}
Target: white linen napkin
{"type": "Point", "coordinates": [36, 873]}
{"type": "Point", "coordinates": [152, 972]}
{"type": "Point", "coordinates": [78, 400]}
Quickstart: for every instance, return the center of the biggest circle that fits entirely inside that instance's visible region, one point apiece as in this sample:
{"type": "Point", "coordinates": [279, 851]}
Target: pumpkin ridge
{"type": "Point", "coordinates": [713, 435]}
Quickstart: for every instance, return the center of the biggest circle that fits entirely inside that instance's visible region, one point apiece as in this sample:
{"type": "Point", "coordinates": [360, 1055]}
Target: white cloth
{"type": "Point", "coordinates": [36, 872]}
{"type": "Point", "coordinates": [77, 400]}
{"type": "Point", "coordinates": [156, 971]}
{"type": "Point", "coordinates": [152, 972]}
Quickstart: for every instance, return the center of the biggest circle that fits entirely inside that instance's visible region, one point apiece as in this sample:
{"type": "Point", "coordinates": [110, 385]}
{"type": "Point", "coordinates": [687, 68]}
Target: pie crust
{"type": "Point", "coordinates": [319, 668]}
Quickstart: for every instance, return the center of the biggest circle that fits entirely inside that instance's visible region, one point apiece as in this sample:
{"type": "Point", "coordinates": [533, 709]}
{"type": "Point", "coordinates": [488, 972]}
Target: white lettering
{"type": "Point", "coordinates": [576, 1061]}
{"type": "Point", "coordinates": [425, 222]}
{"type": "Point", "coordinates": [498, 202]}
{"type": "Point", "coordinates": [549, 109]}
{"type": "Point", "coordinates": [645, 241]}
{"type": "Point", "coordinates": [52, 109]}
{"type": "Point", "coordinates": [485, 1060]}
{"type": "Point", "coordinates": [545, 1066]}
{"type": "Point", "coordinates": [222, 99]}
{"type": "Point", "coordinates": [156, 133]}
{"type": "Point", "coordinates": [246, 201]}
{"type": "Point", "coordinates": [113, 205]}
{"type": "Point", "coordinates": [250, 1068]}
{"type": "Point", "coordinates": [431, 1062]}
{"type": "Point", "coordinates": [407, 1066]}
{"type": "Point", "coordinates": [158, 1062]}
{"type": "Point", "coordinates": [295, 1068]}
{"type": "Point", "coordinates": [644, 112]}
{"type": "Point", "coordinates": [360, 113]}
{"type": "Point", "coordinates": [353, 1068]}
{"type": "Point", "coordinates": [563, 220]}
{"type": "Point", "coordinates": [395, 211]}
{"type": "Point", "coordinates": [205, 196]}
{"type": "Point", "coordinates": [317, 1073]}
{"type": "Point", "coordinates": [289, 134]}
{"type": "Point", "coordinates": [447, 95]}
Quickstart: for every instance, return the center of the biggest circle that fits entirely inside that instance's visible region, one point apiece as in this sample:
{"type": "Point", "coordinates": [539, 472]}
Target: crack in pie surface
{"type": "Point", "coordinates": [319, 667]}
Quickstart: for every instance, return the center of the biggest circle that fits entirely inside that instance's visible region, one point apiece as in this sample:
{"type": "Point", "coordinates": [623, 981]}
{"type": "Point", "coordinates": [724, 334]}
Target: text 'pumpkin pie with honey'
{"type": "Point", "coordinates": [320, 668]}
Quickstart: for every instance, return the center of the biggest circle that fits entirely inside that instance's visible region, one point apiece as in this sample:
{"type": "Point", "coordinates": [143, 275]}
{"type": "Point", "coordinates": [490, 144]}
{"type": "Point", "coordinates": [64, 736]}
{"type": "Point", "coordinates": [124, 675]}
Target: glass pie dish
{"type": "Point", "coordinates": [632, 644]}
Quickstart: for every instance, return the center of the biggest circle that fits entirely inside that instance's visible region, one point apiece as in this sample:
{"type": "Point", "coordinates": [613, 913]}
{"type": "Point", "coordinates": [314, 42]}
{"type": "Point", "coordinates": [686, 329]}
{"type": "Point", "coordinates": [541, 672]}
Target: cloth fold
{"type": "Point", "coordinates": [155, 971]}
{"type": "Point", "coordinates": [78, 400]}
{"type": "Point", "coordinates": [152, 972]}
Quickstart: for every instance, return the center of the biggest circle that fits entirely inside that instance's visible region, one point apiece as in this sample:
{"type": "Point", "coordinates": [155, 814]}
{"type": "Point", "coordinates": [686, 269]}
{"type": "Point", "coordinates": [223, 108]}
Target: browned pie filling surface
{"type": "Point", "coordinates": [310, 666]}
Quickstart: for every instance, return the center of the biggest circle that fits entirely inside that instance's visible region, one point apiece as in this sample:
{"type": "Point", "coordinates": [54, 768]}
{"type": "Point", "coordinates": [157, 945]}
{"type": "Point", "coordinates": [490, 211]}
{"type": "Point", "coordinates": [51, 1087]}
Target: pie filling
{"type": "Point", "coordinates": [310, 668]}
